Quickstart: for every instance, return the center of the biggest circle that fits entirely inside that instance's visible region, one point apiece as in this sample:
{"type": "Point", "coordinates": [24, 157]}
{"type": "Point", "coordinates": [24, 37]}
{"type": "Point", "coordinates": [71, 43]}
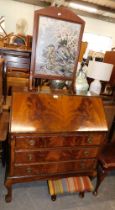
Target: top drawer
{"type": "Point", "coordinates": [57, 141]}
{"type": "Point", "coordinates": [71, 141]}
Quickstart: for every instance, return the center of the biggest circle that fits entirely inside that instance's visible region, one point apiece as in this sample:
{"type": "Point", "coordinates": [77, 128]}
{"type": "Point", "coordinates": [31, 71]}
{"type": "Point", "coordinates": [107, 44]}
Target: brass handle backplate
{"type": "Point", "coordinates": [86, 152]}
{"type": "Point", "coordinates": [32, 142]}
{"type": "Point", "coordinates": [90, 140]}
{"type": "Point", "coordinates": [29, 170]}
{"type": "Point", "coordinates": [30, 157]}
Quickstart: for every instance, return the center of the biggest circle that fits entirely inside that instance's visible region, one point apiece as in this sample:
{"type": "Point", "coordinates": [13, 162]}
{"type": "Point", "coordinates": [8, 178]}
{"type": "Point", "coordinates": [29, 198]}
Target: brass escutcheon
{"type": "Point", "coordinates": [32, 142]}
{"type": "Point", "coordinates": [29, 170]}
{"type": "Point", "coordinates": [30, 157]}
{"type": "Point", "coordinates": [86, 152]}
{"type": "Point", "coordinates": [89, 140]}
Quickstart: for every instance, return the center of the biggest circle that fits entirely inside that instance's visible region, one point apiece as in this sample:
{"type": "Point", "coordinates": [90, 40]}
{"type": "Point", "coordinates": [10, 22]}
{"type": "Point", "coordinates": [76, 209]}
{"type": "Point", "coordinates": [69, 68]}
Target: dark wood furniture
{"type": "Point", "coordinates": [109, 107]}
{"type": "Point", "coordinates": [17, 55]}
{"type": "Point", "coordinates": [110, 58]}
{"type": "Point", "coordinates": [4, 122]}
{"type": "Point", "coordinates": [53, 136]}
{"type": "Point", "coordinates": [4, 115]}
{"type": "Point", "coordinates": [15, 50]}
{"type": "Point", "coordinates": [57, 36]}
{"type": "Point", "coordinates": [106, 164]}
{"type": "Point", "coordinates": [16, 68]}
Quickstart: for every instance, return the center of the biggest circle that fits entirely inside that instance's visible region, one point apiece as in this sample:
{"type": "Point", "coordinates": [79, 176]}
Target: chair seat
{"type": "Point", "coordinates": [70, 185]}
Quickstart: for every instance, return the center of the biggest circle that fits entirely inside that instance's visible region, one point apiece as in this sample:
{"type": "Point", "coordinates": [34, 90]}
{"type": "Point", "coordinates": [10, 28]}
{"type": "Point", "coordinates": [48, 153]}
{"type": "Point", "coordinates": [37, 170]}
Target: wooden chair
{"type": "Point", "coordinates": [106, 164]}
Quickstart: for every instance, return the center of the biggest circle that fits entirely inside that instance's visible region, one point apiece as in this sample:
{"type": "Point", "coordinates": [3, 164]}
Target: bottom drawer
{"type": "Point", "coordinates": [55, 168]}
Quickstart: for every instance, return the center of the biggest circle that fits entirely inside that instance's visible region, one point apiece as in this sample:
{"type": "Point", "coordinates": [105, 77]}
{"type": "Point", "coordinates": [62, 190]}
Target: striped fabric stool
{"type": "Point", "coordinates": [70, 185]}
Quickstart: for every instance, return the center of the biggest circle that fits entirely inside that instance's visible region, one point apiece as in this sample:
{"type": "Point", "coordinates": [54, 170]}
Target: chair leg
{"type": "Point", "coordinates": [101, 174]}
{"type": "Point", "coordinates": [81, 194]}
{"type": "Point", "coordinates": [53, 197]}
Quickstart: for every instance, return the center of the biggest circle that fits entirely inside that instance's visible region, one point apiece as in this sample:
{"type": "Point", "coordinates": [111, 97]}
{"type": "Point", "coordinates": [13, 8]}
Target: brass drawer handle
{"type": "Point", "coordinates": [86, 152]}
{"type": "Point", "coordinates": [90, 140]}
{"type": "Point", "coordinates": [32, 142]}
{"type": "Point", "coordinates": [30, 157]}
{"type": "Point", "coordinates": [29, 170]}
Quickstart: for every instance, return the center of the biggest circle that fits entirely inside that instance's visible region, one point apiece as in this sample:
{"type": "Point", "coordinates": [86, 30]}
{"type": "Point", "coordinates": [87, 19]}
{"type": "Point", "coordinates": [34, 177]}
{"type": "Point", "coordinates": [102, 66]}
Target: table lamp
{"type": "Point", "coordinates": [98, 71]}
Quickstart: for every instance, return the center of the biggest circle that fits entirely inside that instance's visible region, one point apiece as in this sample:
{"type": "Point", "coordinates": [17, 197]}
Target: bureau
{"type": "Point", "coordinates": [53, 136]}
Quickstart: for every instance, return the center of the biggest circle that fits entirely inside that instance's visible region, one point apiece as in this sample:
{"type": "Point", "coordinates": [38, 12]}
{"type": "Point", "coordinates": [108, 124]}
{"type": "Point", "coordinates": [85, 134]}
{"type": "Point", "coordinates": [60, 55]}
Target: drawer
{"type": "Point", "coordinates": [27, 170]}
{"type": "Point", "coordinates": [55, 155]}
{"type": "Point", "coordinates": [70, 141]}
{"type": "Point", "coordinates": [55, 168]}
{"type": "Point", "coordinates": [29, 142]}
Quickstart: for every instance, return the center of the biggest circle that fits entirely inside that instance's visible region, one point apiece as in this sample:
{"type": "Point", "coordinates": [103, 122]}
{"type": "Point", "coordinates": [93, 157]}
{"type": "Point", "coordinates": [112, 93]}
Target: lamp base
{"type": "Point", "coordinates": [95, 87]}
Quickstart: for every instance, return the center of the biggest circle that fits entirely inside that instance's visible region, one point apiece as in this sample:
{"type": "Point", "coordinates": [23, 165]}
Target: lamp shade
{"type": "Point", "coordinates": [99, 70]}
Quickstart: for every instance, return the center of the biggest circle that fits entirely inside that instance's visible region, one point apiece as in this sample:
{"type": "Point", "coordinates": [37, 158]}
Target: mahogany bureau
{"type": "Point", "coordinates": [53, 136]}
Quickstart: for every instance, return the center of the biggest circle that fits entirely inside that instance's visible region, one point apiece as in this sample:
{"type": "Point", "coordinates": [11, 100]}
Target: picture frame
{"type": "Point", "coordinates": [57, 36]}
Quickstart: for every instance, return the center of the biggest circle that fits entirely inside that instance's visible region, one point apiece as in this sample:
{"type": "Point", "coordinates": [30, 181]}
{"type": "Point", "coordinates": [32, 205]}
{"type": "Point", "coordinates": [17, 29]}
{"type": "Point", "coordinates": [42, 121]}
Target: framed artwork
{"type": "Point", "coordinates": [56, 44]}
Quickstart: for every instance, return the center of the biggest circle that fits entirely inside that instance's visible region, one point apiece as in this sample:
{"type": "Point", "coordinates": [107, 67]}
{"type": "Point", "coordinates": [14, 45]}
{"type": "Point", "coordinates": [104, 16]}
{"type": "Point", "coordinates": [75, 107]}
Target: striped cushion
{"type": "Point", "coordinates": [70, 184]}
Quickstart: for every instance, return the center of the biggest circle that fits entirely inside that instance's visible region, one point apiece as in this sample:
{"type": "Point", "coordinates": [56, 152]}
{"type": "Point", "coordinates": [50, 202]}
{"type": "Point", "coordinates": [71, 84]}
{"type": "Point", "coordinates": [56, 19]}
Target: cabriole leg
{"type": "Point", "coordinates": [8, 196]}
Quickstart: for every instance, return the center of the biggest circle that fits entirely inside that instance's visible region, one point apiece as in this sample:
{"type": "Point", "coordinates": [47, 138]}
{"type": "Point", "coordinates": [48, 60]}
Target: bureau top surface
{"type": "Point", "coordinates": [46, 113]}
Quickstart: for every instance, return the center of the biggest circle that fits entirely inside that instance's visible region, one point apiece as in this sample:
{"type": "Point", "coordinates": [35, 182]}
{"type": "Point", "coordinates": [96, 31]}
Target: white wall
{"type": "Point", "coordinates": [13, 11]}
{"type": "Point", "coordinates": [100, 27]}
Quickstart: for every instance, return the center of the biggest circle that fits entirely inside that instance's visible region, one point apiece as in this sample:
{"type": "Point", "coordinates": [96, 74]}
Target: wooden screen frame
{"type": "Point", "coordinates": [58, 13]}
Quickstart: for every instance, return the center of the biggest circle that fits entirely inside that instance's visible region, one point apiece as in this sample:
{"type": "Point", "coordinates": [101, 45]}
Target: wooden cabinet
{"type": "Point", "coordinates": [54, 136]}
{"type": "Point", "coordinates": [16, 68]}
{"type": "Point", "coordinates": [17, 61]}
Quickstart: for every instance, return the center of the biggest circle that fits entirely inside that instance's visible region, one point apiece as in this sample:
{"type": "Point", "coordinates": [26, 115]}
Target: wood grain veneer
{"type": "Point", "coordinates": [54, 136]}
